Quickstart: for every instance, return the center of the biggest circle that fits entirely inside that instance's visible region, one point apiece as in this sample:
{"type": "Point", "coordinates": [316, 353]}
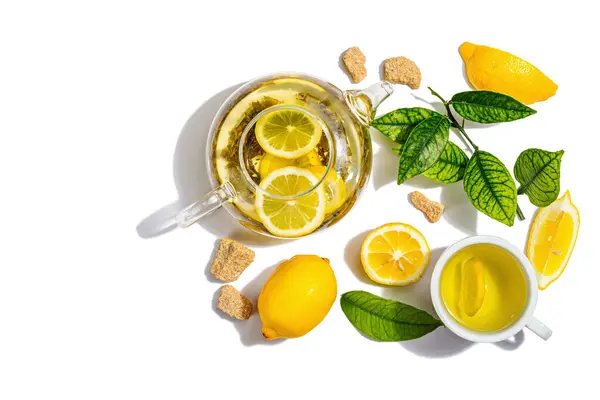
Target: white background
{"type": "Point", "coordinates": [94, 99]}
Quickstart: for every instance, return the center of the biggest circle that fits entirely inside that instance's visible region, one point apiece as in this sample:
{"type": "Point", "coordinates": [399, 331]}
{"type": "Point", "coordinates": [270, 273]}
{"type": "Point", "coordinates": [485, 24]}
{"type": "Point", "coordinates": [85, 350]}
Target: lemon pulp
{"type": "Point", "coordinates": [293, 217]}
{"type": "Point", "coordinates": [395, 254]}
{"type": "Point", "coordinates": [484, 288]}
{"type": "Point", "coordinates": [552, 239]}
{"type": "Point", "coordinates": [287, 133]}
{"type": "Point", "coordinates": [335, 187]}
{"type": "Point", "coordinates": [270, 163]}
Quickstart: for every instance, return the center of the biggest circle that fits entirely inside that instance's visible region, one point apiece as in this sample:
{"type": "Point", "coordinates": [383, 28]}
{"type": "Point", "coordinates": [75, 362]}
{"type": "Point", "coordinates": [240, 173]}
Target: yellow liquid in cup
{"type": "Point", "coordinates": [484, 288]}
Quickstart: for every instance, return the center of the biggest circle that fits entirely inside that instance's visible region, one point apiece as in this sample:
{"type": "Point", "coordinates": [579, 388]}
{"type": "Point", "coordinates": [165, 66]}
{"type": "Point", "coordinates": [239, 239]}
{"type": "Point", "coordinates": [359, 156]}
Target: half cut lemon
{"type": "Point", "coordinates": [295, 217]}
{"type": "Point", "coordinates": [395, 254]}
{"type": "Point", "coordinates": [552, 238]}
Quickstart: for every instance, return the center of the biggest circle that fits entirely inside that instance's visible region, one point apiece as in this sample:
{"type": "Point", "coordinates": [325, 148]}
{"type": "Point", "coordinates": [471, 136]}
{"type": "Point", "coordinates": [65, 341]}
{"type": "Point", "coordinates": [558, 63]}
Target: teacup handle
{"type": "Point", "coordinates": [537, 327]}
{"type": "Point", "coordinates": [207, 204]}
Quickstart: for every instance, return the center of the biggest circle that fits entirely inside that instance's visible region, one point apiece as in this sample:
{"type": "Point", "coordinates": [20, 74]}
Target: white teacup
{"type": "Point", "coordinates": [525, 320]}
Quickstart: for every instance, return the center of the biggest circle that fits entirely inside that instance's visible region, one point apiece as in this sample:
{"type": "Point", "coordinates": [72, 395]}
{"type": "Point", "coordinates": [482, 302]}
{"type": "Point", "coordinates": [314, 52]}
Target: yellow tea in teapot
{"type": "Point", "coordinates": [302, 136]}
{"type": "Point", "coordinates": [483, 287]}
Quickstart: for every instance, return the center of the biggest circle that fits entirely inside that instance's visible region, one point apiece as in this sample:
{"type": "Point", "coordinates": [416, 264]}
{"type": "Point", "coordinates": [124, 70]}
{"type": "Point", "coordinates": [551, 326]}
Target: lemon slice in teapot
{"type": "Point", "coordinates": [335, 187]}
{"type": "Point", "coordinates": [288, 133]}
{"type": "Point", "coordinates": [270, 163]}
{"type": "Point", "coordinates": [291, 216]}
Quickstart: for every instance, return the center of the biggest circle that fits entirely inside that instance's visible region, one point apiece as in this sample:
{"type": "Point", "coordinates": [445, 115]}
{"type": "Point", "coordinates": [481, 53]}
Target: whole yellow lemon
{"type": "Point", "coordinates": [296, 297]}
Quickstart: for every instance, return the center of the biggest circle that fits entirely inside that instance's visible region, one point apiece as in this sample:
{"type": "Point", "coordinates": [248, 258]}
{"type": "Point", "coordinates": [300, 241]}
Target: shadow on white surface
{"type": "Point", "coordinates": [251, 331]}
{"type": "Point", "coordinates": [343, 67]}
{"type": "Point", "coordinates": [421, 182]}
{"type": "Point", "coordinates": [443, 343]}
{"type": "Point", "coordinates": [159, 222]}
{"type": "Point", "coordinates": [191, 180]}
{"type": "Point", "coordinates": [385, 161]}
{"type": "Point", "coordinates": [440, 343]}
{"type": "Point", "coordinates": [190, 174]}
{"type": "Point", "coordinates": [352, 257]}
{"type": "Point", "coordinates": [190, 165]}
{"type": "Point", "coordinates": [459, 211]}
{"type": "Point", "coordinates": [251, 238]}
{"type": "Point", "coordinates": [209, 276]}
{"type": "Point", "coordinates": [513, 343]}
{"type": "Point", "coordinates": [434, 103]}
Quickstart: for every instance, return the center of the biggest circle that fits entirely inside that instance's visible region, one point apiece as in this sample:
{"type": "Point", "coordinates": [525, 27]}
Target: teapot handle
{"type": "Point", "coordinates": [206, 205]}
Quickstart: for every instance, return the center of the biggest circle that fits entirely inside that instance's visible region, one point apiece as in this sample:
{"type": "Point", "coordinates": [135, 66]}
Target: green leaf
{"type": "Point", "coordinates": [386, 320]}
{"type": "Point", "coordinates": [423, 147]}
{"type": "Point", "coordinates": [489, 107]}
{"type": "Point", "coordinates": [490, 187]}
{"type": "Point", "coordinates": [398, 124]}
{"type": "Point", "coordinates": [449, 168]}
{"type": "Point", "coordinates": [538, 172]}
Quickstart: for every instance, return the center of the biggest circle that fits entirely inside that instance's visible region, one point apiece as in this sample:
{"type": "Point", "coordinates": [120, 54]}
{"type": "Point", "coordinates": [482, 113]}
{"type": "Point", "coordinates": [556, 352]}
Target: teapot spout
{"type": "Point", "coordinates": [364, 103]}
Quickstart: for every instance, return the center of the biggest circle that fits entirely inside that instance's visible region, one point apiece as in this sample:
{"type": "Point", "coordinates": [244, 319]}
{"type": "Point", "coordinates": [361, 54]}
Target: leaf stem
{"type": "Point", "coordinates": [436, 94]}
{"type": "Point", "coordinates": [520, 214]}
{"type": "Point", "coordinates": [461, 129]}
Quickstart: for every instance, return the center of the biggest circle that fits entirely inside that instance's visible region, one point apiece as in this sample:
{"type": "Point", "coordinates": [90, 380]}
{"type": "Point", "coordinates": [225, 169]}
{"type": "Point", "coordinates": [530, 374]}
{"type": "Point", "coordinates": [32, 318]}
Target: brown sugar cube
{"type": "Point", "coordinates": [433, 211]}
{"type": "Point", "coordinates": [233, 303]}
{"type": "Point", "coordinates": [402, 70]}
{"type": "Point", "coordinates": [354, 60]}
{"type": "Point", "coordinates": [231, 259]}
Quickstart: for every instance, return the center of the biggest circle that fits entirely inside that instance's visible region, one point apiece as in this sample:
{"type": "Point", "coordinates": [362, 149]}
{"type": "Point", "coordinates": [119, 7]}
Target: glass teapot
{"type": "Point", "coordinates": [288, 154]}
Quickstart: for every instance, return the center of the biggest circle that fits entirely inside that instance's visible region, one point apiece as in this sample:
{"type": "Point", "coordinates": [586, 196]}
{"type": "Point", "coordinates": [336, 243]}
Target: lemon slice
{"type": "Point", "coordinates": [310, 160]}
{"type": "Point", "coordinates": [472, 286]}
{"type": "Point", "coordinates": [395, 254]}
{"type": "Point", "coordinates": [552, 238]}
{"type": "Point", "coordinates": [335, 187]}
{"type": "Point", "coordinates": [270, 163]}
{"type": "Point", "coordinates": [291, 218]}
{"type": "Point", "coordinates": [287, 133]}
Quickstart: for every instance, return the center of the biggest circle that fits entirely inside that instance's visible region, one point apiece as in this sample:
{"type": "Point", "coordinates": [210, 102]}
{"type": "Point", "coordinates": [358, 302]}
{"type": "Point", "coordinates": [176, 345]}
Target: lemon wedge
{"type": "Point", "coordinates": [472, 286]}
{"type": "Point", "coordinates": [291, 218]}
{"type": "Point", "coordinates": [335, 187]}
{"type": "Point", "coordinates": [492, 69]}
{"type": "Point", "coordinates": [552, 238]}
{"type": "Point", "coordinates": [287, 133]}
{"type": "Point", "coordinates": [395, 254]}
